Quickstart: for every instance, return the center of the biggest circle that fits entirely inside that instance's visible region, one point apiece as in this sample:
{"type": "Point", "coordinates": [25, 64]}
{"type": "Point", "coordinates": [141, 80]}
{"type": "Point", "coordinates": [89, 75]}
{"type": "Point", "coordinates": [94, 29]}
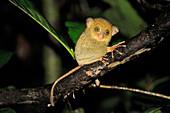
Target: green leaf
{"type": "Point", "coordinates": [109, 103]}
{"type": "Point", "coordinates": [27, 7]}
{"type": "Point", "coordinates": [8, 87]}
{"type": "Point", "coordinates": [7, 110]}
{"type": "Point", "coordinates": [123, 15]}
{"type": "Point", "coordinates": [159, 81]}
{"type": "Point", "coordinates": [142, 83]}
{"type": "Point", "coordinates": [154, 110]}
{"type": "Point", "coordinates": [75, 29]}
{"type": "Point", "coordinates": [78, 110]}
{"type": "Point", "coordinates": [4, 57]}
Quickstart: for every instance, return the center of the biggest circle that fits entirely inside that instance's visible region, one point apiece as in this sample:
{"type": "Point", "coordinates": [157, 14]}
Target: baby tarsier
{"type": "Point", "coordinates": [92, 45]}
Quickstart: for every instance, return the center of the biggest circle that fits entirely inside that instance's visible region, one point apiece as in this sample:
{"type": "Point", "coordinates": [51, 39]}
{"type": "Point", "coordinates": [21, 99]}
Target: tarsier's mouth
{"type": "Point", "coordinates": [100, 38]}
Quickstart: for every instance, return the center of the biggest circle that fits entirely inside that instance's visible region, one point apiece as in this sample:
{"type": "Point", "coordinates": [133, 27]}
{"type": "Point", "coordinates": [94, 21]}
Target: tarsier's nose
{"type": "Point", "coordinates": [100, 36]}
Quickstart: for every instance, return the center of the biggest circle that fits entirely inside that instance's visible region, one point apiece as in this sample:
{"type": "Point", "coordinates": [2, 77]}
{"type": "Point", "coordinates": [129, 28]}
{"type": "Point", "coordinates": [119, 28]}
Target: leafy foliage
{"type": "Point", "coordinates": [154, 110]}
{"type": "Point", "coordinates": [7, 110]}
{"type": "Point", "coordinates": [79, 110]}
{"type": "Point", "coordinates": [142, 83]}
{"type": "Point", "coordinates": [27, 7]}
{"type": "Point", "coordinates": [129, 22]}
{"type": "Point", "coordinates": [4, 57]}
{"type": "Point", "coordinates": [75, 29]}
{"type": "Point", "coordinates": [122, 14]}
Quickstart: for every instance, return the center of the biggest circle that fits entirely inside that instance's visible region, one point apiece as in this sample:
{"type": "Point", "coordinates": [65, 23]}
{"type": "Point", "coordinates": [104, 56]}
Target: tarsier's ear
{"type": "Point", "coordinates": [114, 30]}
{"type": "Point", "coordinates": [89, 22]}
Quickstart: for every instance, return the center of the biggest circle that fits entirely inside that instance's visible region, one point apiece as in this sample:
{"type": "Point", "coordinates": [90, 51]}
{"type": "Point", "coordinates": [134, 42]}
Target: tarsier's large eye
{"type": "Point", "coordinates": [106, 32]}
{"type": "Point", "coordinates": [97, 29]}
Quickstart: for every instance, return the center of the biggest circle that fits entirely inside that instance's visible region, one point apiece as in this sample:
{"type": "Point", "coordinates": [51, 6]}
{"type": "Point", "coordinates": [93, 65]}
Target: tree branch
{"type": "Point", "coordinates": [154, 4]}
{"type": "Point", "coordinates": [146, 40]}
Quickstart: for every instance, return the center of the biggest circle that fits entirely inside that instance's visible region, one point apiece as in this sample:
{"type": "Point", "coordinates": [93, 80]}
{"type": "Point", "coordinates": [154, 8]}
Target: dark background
{"type": "Point", "coordinates": [27, 39]}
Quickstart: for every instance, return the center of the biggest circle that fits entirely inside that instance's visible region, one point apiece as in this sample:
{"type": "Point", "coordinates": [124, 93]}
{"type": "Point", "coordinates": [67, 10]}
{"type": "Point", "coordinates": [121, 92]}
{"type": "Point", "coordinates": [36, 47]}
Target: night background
{"type": "Point", "coordinates": [36, 58]}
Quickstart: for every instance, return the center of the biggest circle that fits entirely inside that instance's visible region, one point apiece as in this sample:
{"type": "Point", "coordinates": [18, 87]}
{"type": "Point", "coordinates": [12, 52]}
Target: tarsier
{"type": "Point", "coordinates": [92, 44]}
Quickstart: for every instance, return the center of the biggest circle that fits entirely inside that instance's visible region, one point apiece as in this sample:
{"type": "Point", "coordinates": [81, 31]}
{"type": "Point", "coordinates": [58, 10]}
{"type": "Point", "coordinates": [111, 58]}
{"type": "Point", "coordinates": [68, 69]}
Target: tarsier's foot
{"type": "Point", "coordinates": [103, 60]}
{"type": "Point", "coordinates": [113, 48]}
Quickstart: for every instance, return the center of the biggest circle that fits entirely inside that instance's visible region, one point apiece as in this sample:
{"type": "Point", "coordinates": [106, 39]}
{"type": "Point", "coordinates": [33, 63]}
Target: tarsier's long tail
{"type": "Point", "coordinates": [65, 75]}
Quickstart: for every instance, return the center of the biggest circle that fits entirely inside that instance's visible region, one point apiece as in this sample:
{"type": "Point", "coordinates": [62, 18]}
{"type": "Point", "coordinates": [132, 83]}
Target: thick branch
{"type": "Point", "coordinates": [162, 5]}
{"type": "Point", "coordinates": [146, 40]}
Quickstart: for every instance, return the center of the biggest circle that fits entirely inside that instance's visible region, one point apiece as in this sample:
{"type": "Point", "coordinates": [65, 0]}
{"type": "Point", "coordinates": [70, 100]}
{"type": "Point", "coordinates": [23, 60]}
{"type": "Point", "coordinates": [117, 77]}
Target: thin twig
{"type": "Point", "coordinates": [132, 90]}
